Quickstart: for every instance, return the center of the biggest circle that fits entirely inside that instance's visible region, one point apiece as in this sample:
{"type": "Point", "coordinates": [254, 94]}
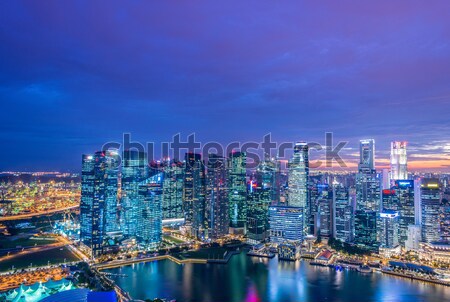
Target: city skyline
{"type": "Point", "coordinates": [224, 151]}
{"type": "Point", "coordinates": [382, 74]}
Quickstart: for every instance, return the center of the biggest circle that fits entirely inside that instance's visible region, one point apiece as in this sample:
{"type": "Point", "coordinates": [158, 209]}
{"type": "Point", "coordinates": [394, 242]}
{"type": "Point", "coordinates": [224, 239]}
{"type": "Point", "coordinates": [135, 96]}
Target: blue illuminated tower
{"type": "Point", "coordinates": [194, 195]}
{"type": "Point", "coordinates": [430, 209]}
{"type": "Point", "coordinates": [98, 204]}
{"type": "Point", "coordinates": [285, 223]}
{"type": "Point", "coordinates": [172, 199]}
{"type": "Point", "coordinates": [343, 214]}
{"type": "Point", "coordinates": [368, 197]}
{"type": "Point", "coordinates": [149, 229]}
{"type": "Point", "coordinates": [216, 197]}
{"type": "Point", "coordinates": [134, 171]}
{"type": "Point", "coordinates": [404, 190]}
{"type": "Point", "coordinates": [237, 192]}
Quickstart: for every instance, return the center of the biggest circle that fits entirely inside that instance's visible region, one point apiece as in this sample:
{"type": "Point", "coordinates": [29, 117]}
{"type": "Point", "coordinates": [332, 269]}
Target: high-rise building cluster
{"type": "Point", "coordinates": [126, 200]}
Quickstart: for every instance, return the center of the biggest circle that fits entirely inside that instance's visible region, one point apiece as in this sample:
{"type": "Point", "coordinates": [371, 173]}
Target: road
{"type": "Point", "coordinates": [31, 215]}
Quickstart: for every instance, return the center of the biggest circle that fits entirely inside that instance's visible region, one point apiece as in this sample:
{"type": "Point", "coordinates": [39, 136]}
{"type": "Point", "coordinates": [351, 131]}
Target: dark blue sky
{"type": "Point", "coordinates": [75, 74]}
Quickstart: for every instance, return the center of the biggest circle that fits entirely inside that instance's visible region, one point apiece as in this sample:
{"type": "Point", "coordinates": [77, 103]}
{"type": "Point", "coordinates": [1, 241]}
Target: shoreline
{"type": "Point", "coordinates": [125, 294]}
{"type": "Point", "coordinates": [437, 282]}
{"type": "Point", "coordinates": [225, 261]}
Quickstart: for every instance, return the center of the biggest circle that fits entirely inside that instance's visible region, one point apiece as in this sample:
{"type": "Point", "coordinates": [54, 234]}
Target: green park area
{"type": "Point", "coordinates": [53, 257]}
{"type": "Point", "coordinates": [8, 243]}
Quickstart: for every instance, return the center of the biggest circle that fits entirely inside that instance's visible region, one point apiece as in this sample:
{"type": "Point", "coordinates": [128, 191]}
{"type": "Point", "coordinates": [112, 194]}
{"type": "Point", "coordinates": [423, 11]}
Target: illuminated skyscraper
{"type": "Point", "coordinates": [389, 200]}
{"type": "Point", "coordinates": [134, 171]}
{"type": "Point", "coordinates": [149, 228]}
{"type": "Point", "coordinates": [343, 214]}
{"type": "Point", "coordinates": [398, 161]}
{"type": "Point", "coordinates": [388, 230]}
{"type": "Point", "coordinates": [430, 206]}
{"type": "Point", "coordinates": [216, 197]}
{"type": "Point", "coordinates": [413, 237]}
{"type": "Point", "coordinates": [368, 191]}
{"type": "Point", "coordinates": [285, 223]}
{"type": "Point", "coordinates": [316, 192]}
{"type": "Point", "coordinates": [87, 209]}
{"type": "Point", "coordinates": [111, 198]}
{"type": "Point", "coordinates": [194, 194]}
{"type": "Point", "coordinates": [386, 179]}
{"type": "Point", "coordinates": [237, 192]}
{"type": "Point", "coordinates": [172, 197]}
{"type": "Point", "coordinates": [366, 155]}
{"type": "Point", "coordinates": [368, 182]}
{"type": "Point", "coordinates": [404, 190]}
{"type": "Point", "coordinates": [326, 216]}
{"type": "Point", "coordinates": [98, 205]}
{"type": "Point", "coordinates": [267, 175]}
{"type": "Point", "coordinates": [298, 173]}
{"type": "Point", "coordinates": [368, 197]}
{"type": "Point", "coordinates": [366, 229]}
{"type": "Point", "coordinates": [262, 192]}
{"type": "Point", "coordinates": [445, 220]}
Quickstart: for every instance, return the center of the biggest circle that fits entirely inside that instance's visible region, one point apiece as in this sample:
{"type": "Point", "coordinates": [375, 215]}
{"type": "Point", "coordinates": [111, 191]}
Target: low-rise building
{"type": "Point", "coordinates": [435, 251]}
{"type": "Point", "coordinates": [289, 250]}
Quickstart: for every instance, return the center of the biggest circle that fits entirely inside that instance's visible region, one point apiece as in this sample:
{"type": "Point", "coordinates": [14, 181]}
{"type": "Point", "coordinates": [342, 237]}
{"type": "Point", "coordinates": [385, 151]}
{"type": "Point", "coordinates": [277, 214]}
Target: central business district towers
{"type": "Point", "coordinates": [215, 197]}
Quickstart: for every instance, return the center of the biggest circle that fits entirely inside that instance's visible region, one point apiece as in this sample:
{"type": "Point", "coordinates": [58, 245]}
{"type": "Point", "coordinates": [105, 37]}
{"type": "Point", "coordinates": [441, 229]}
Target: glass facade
{"type": "Point", "coordinates": [172, 198]}
{"type": "Point", "coordinates": [405, 193]}
{"type": "Point", "coordinates": [366, 229]}
{"type": "Point", "coordinates": [430, 209]}
{"type": "Point", "coordinates": [343, 215]}
{"type": "Point", "coordinates": [398, 161]}
{"type": "Point", "coordinates": [216, 197]}
{"type": "Point", "coordinates": [194, 195]}
{"type": "Point", "coordinates": [366, 155]}
{"type": "Point", "coordinates": [98, 204]}
{"type": "Point", "coordinates": [149, 228]}
{"type": "Point", "coordinates": [388, 229]}
{"type": "Point", "coordinates": [237, 191]}
{"type": "Point", "coordinates": [368, 191]}
{"type": "Point", "coordinates": [134, 171]}
{"type": "Point", "coordinates": [298, 173]}
{"type": "Point", "coordinates": [285, 223]}
{"type": "Point", "coordinates": [326, 216]}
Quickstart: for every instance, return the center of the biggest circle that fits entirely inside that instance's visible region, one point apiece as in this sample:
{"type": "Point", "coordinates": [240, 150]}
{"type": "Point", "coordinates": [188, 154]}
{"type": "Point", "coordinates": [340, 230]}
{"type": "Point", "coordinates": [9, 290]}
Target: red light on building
{"type": "Point", "coordinates": [388, 192]}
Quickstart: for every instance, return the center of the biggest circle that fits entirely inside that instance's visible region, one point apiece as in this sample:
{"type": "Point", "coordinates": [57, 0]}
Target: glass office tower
{"type": "Point", "coordinates": [285, 223]}
{"type": "Point", "coordinates": [98, 203]}
{"type": "Point", "coordinates": [399, 168]}
{"type": "Point", "coordinates": [149, 228]}
{"type": "Point", "coordinates": [237, 192]}
{"type": "Point", "coordinates": [404, 190]}
{"type": "Point", "coordinates": [194, 195]}
{"type": "Point", "coordinates": [298, 173]}
{"type": "Point", "coordinates": [134, 171]}
{"type": "Point", "coordinates": [217, 215]}
{"type": "Point", "coordinates": [343, 214]}
{"type": "Point", "coordinates": [430, 209]}
{"type": "Point", "coordinates": [172, 197]}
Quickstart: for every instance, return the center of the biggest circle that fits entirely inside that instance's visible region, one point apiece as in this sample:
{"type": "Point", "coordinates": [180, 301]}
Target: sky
{"type": "Point", "coordinates": [77, 74]}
